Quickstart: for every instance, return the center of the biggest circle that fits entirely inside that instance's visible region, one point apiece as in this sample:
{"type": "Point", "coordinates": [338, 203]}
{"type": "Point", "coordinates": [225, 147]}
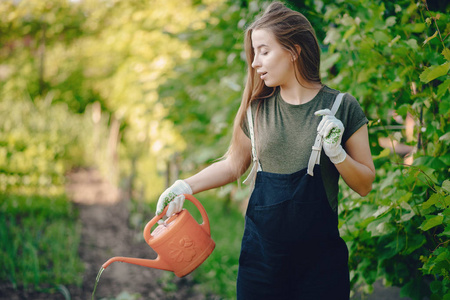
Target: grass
{"type": "Point", "coordinates": [39, 237]}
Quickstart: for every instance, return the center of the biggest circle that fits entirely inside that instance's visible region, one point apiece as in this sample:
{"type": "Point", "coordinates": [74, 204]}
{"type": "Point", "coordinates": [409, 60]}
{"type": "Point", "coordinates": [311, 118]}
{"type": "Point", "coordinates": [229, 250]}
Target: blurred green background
{"type": "Point", "coordinates": [146, 92]}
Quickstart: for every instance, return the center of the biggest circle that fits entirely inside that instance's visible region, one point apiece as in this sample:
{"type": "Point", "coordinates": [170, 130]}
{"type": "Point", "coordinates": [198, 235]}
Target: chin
{"type": "Point", "coordinates": [270, 84]}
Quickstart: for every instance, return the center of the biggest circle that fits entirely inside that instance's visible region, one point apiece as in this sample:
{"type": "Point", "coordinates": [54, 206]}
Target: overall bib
{"type": "Point", "coordinates": [291, 245]}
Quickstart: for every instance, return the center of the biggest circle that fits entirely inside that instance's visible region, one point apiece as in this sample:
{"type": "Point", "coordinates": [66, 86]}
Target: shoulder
{"type": "Point", "coordinates": [349, 102]}
{"type": "Point", "coordinates": [330, 94]}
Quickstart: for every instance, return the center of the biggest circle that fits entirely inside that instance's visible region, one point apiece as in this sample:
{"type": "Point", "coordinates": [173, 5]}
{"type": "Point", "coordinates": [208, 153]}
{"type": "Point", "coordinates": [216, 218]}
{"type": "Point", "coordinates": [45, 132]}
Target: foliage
{"type": "Point", "coordinates": [39, 144]}
{"type": "Point", "coordinates": [394, 58]}
{"type": "Point", "coordinates": [39, 238]}
{"type": "Point", "coordinates": [209, 85]}
{"type": "Point", "coordinates": [115, 54]}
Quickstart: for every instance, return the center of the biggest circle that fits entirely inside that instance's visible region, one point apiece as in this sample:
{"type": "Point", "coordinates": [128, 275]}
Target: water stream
{"type": "Point", "coordinates": [96, 281]}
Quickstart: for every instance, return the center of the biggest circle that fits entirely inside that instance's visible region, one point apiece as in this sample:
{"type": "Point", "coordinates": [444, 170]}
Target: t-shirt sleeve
{"type": "Point", "coordinates": [351, 115]}
{"type": "Point", "coordinates": [244, 126]}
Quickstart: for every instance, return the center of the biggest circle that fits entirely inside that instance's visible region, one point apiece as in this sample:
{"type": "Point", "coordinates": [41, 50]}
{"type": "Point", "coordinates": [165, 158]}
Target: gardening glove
{"type": "Point", "coordinates": [331, 129]}
{"type": "Point", "coordinates": [173, 197]}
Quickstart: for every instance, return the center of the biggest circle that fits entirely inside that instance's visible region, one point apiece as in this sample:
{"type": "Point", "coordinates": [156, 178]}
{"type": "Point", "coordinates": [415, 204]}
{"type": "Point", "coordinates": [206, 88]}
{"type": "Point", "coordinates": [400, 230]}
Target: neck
{"type": "Point", "coordinates": [298, 94]}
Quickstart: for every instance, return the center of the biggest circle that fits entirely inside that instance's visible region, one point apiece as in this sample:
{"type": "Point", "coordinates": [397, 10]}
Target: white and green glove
{"type": "Point", "coordinates": [174, 197]}
{"type": "Point", "coordinates": [331, 129]}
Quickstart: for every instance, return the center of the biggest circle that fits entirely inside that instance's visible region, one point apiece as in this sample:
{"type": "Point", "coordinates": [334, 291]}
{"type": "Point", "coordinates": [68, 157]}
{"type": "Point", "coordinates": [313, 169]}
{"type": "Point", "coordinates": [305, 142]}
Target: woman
{"type": "Point", "coordinates": [291, 245]}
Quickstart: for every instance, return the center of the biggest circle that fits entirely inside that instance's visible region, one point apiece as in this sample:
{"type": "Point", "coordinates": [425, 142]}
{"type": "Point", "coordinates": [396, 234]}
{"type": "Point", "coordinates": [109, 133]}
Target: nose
{"type": "Point", "coordinates": [256, 63]}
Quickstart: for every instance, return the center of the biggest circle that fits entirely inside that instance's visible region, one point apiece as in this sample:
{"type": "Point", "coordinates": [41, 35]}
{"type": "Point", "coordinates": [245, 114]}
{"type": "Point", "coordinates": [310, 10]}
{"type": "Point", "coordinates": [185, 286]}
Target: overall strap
{"type": "Point", "coordinates": [256, 167]}
{"type": "Point", "coordinates": [317, 148]}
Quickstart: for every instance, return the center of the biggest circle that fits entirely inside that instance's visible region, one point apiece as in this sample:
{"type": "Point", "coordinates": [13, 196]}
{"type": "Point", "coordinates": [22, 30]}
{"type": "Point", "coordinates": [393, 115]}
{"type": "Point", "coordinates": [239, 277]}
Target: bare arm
{"type": "Point", "coordinates": [225, 171]}
{"type": "Point", "coordinates": [357, 169]}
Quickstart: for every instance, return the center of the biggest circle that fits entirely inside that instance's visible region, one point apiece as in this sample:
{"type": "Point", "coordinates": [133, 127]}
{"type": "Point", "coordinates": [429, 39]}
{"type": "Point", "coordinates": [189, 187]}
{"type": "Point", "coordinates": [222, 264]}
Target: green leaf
{"type": "Point", "coordinates": [443, 256]}
{"type": "Point", "coordinates": [444, 106]}
{"type": "Point", "coordinates": [445, 137]}
{"type": "Point", "coordinates": [414, 243]}
{"type": "Point", "coordinates": [407, 217]}
{"type": "Point", "coordinates": [446, 202]}
{"type": "Point", "coordinates": [382, 210]}
{"type": "Point", "coordinates": [432, 222]}
{"type": "Point", "coordinates": [429, 162]}
{"type": "Point", "coordinates": [394, 40]}
{"type": "Point", "coordinates": [381, 226]}
{"type": "Point", "coordinates": [381, 37]}
{"type": "Point", "coordinates": [413, 44]}
{"type": "Point", "coordinates": [434, 72]}
{"type": "Point", "coordinates": [446, 185]}
{"type": "Point", "coordinates": [432, 201]}
{"type": "Point", "coordinates": [405, 198]}
{"type": "Point", "coordinates": [390, 21]}
{"type": "Point", "coordinates": [446, 232]}
{"type": "Point", "coordinates": [430, 38]}
{"type": "Point", "coordinates": [328, 62]}
{"type": "Point", "coordinates": [417, 27]}
{"type": "Point", "coordinates": [384, 153]}
{"type": "Point", "coordinates": [436, 286]}
{"type": "Point", "coordinates": [443, 87]}
{"type": "Point", "coordinates": [446, 53]}
{"type": "Point", "coordinates": [349, 32]}
{"type": "Point", "coordinates": [414, 287]}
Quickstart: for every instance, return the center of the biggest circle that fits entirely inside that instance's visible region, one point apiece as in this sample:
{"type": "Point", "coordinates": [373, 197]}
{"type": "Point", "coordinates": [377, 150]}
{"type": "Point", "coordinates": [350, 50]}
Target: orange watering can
{"type": "Point", "coordinates": [181, 243]}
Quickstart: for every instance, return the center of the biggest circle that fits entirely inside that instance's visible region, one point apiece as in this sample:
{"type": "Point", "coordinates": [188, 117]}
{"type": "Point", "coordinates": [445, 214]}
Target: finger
{"type": "Point", "coordinates": [179, 203]}
{"type": "Point", "coordinates": [328, 128]}
{"type": "Point", "coordinates": [323, 112]}
{"type": "Point", "coordinates": [171, 209]}
{"type": "Point", "coordinates": [323, 124]}
{"type": "Point", "coordinates": [159, 208]}
{"type": "Point", "coordinates": [182, 198]}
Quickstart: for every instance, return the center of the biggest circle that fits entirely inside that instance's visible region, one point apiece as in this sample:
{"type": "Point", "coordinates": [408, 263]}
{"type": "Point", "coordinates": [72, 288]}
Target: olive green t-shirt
{"type": "Point", "coordinates": [285, 134]}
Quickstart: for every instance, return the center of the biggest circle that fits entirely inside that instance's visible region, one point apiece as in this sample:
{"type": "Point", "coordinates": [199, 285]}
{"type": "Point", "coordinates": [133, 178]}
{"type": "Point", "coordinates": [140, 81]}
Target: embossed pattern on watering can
{"type": "Point", "coordinates": [184, 250]}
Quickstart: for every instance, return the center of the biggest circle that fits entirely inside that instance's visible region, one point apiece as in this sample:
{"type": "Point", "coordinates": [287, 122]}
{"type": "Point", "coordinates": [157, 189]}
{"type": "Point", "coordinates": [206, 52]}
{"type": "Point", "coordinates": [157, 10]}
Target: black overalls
{"type": "Point", "coordinates": [291, 245]}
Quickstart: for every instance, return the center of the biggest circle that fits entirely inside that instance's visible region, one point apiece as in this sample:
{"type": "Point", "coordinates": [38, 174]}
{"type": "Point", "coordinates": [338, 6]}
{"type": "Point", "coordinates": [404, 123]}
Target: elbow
{"type": "Point", "coordinates": [366, 188]}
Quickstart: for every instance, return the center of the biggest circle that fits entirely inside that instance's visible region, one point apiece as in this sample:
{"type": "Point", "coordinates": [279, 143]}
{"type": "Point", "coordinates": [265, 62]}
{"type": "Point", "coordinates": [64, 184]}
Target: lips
{"type": "Point", "coordinates": [262, 75]}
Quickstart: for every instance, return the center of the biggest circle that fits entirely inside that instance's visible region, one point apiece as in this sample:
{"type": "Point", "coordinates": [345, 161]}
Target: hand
{"type": "Point", "coordinates": [174, 197]}
{"type": "Point", "coordinates": [331, 129]}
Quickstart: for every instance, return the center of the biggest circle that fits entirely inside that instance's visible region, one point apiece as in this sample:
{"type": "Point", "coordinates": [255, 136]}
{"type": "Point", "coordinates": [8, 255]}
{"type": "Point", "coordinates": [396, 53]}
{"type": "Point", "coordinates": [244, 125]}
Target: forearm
{"type": "Point", "coordinates": [218, 174]}
{"type": "Point", "coordinates": [357, 169]}
{"type": "Point", "coordinates": [357, 176]}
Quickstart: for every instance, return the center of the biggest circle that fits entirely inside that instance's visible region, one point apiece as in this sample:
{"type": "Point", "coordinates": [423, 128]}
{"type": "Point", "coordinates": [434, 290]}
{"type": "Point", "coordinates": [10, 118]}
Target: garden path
{"type": "Point", "coordinates": [106, 233]}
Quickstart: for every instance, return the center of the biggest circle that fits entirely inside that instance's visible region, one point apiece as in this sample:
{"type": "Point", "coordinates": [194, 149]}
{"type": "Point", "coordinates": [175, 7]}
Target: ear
{"type": "Point", "coordinates": [295, 55]}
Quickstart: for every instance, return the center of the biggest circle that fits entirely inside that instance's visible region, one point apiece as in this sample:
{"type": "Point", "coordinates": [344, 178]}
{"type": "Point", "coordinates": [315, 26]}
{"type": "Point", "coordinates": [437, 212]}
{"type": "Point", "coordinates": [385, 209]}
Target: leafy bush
{"type": "Point", "coordinates": [39, 143]}
{"type": "Point", "coordinates": [394, 58]}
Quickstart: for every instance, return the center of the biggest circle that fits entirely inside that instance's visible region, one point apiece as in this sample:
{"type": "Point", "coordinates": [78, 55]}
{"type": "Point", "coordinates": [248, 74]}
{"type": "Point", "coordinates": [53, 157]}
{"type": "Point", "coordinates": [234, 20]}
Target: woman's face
{"type": "Point", "coordinates": [273, 63]}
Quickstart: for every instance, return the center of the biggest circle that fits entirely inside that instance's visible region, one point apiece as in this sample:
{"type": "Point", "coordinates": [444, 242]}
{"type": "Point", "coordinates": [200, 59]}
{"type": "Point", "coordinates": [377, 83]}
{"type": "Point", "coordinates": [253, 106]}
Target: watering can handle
{"type": "Point", "coordinates": [152, 222]}
{"type": "Point", "coordinates": [203, 213]}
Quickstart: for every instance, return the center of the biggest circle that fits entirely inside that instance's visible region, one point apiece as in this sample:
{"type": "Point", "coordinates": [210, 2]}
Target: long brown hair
{"type": "Point", "coordinates": [290, 29]}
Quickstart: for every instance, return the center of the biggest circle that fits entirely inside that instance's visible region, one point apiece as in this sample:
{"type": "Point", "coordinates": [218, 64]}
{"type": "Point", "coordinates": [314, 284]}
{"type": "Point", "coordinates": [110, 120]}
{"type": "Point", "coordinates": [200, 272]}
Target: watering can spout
{"type": "Point", "coordinates": [150, 263]}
